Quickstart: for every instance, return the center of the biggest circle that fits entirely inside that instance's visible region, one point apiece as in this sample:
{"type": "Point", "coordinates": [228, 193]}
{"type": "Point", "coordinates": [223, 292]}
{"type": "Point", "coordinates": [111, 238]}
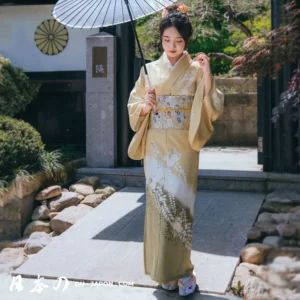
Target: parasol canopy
{"type": "Point", "coordinates": [102, 13]}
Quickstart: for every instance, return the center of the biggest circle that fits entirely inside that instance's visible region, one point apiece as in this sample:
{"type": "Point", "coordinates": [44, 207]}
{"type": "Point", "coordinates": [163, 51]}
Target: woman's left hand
{"type": "Point", "coordinates": [203, 61]}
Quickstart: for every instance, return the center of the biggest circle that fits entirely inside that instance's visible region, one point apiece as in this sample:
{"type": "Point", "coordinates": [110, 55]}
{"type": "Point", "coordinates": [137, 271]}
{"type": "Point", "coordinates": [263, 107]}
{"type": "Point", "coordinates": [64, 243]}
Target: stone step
{"type": "Point", "coordinates": [226, 180]}
{"type": "Point", "coordinates": [236, 84]}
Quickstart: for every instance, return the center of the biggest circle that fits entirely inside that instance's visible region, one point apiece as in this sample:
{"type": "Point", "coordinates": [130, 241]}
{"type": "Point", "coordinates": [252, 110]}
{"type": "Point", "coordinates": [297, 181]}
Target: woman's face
{"type": "Point", "coordinates": [172, 42]}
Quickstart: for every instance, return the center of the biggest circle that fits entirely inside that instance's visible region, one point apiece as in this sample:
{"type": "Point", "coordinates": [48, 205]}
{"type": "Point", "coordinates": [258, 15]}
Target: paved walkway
{"type": "Point", "coordinates": [107, 244]}
{"type": "Point", "coordinates": [87, 291]}
{"type": "Point", "coordinates": [229, 158]}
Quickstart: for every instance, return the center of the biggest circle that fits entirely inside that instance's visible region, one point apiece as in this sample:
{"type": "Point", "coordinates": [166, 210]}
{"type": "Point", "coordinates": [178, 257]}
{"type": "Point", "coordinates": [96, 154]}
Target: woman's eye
{"type": "Point", "coordinates": [167, 41]}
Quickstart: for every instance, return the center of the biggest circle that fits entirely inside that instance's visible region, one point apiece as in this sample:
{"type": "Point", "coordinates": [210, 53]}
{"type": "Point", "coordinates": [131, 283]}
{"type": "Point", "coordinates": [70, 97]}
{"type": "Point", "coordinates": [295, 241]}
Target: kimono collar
{"type": "Point", "coordinates": [181, 63]}
{"type": "Point", "coordinates": [167, 77]}
{"type": "Point", "coordinates": [166, 60]}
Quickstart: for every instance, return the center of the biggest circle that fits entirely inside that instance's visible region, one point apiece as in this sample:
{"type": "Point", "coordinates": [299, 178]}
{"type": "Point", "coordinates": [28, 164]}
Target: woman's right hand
{"type": "Point", "coordinates": [150, 101]}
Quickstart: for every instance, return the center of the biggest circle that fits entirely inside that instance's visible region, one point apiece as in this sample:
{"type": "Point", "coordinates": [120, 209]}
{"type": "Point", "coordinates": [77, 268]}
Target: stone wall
{"type": "Point", "coordinates": [237, 126]}
{"type": "Point", "coordinates": [17, 204]}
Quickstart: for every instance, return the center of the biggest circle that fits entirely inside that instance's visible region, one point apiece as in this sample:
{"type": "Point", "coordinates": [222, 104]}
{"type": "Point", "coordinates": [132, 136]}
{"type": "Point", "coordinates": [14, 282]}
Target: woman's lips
{"type": "Point", "coordinates": [173, 51]}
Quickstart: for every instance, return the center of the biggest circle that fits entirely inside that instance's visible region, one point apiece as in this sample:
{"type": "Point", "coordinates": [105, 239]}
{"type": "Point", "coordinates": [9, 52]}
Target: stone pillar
{"type": "Point", "coordinates": [101, 110]}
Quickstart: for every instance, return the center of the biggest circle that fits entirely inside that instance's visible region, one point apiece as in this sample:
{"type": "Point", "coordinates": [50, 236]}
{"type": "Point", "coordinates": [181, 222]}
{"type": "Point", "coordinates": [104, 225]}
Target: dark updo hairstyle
{"type": "Point", "coordinates": [177, 19]}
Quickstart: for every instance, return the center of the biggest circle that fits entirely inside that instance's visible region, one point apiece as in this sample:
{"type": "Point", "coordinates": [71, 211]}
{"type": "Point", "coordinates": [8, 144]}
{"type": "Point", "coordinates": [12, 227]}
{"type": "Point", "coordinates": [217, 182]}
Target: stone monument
{"type": "Point", "coordinates": [101, 110]}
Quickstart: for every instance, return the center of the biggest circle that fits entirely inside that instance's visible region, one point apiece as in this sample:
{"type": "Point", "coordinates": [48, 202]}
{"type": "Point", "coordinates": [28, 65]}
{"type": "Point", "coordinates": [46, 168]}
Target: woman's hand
{"type": "Point", "coordinates": [150, 102]}
{"type": "Point", "coordinates": [203, 61]}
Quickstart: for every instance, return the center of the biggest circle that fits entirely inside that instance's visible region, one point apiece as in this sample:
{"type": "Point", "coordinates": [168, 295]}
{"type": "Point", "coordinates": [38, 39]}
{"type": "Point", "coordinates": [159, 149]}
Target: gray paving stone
{"type": "Point", "coordinates": [98, 291]}
{"type": "Point", "coordinates": [229, 158]}
{"type": "Point", "coordinates": [107, 244]}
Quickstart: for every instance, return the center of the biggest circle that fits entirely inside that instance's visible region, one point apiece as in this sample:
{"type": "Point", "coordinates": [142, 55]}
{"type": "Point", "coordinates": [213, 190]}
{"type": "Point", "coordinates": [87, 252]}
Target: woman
{"type": "Point", "coordinates": [172, 122]}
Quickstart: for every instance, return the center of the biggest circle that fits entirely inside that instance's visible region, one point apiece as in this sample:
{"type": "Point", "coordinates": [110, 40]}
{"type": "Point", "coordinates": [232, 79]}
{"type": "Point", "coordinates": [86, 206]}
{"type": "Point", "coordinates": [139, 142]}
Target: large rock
{"type": "Point", "coordinates": [254, 233]}
{"type": "Point", "coordinates": [273, 275]}
{"type": "Point", "coordinates": [41, 213]}
{"type": "Point", "coordinates": [279, 196]}
{"type": "Point", "coordinates": [256, 289]}
{"type": "Point", "coordinates": [14, 257]}
{"type": "Point", "coordinates": [53, 214]}
{"type": "Point", "coordinates": [66, 199]}
{"type": "Point", "coordinates": [282, 277]}
{"type": "Point", "coordinates": [36, 242]}
{"type": "Point", "coordinates": [93, 200]}
{"type": "Point", "coordinates": [48, 193]}
{"type": "Point", "coordinates": [281, 218]}
{"type": "Point", "coordinates": [273, 241]}
{"type": "Point", "coordinates": [40, 235]}
{"type": "Point", "coordinates": [264, 217]}
{"type": "Point", "coordinates": [106, 192]}
{"type": "Point", "coordinates": [17, 243]}
{"type": "Point", "coordinates": [37, 226]}
{"type": "Point", "coordinates": [81, 197]}
{"type": "Point", "coordinates": [68, 217]}
{"type": "Point", "coordinates": [267, 228]}
{"type": "Point", "coordinates": [255, 253]}
{"type": "Point", "coordinates": [82, 189]}
{"type": "Point", "coordinates": [5, 269]}
{"type": "Point", "coordinates": [286, 230]}
{"type": "Point", "coordinates": [243, 273]}
{"type": "Point", "coordinates": [295, 209]}
{"type": "Point", "coordinates": [295, 217]}
{"type": "Point", "coordinates": [284, 261]}
{"type": "Point", "coordinates": [276, 207]}
{"type": "Point", "coordinates": [294, 195]}
{"type": "Point", "coordinates": [53, 234]}
{"type": "Point", "coordinates": [278, 272]}
{"type": "Point", "coordinates": [93, 181]}
{"type": "Point", "coordinates": [116, 188]}
{"type": "Point", "coordinates": [279, 253]}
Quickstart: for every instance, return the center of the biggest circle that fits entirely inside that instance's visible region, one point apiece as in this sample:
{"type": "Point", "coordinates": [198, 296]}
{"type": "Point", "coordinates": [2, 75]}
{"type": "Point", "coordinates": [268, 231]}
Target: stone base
{"type": "Point", "coordinates": [220, 180]}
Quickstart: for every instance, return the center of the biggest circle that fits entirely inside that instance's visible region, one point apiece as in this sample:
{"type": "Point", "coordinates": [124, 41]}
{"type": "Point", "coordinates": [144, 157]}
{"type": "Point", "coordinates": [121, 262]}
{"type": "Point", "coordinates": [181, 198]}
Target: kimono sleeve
{"type": "Point", "coordinates": [136, 101]}
{"type": "Point", "coordinates": [204, 111]}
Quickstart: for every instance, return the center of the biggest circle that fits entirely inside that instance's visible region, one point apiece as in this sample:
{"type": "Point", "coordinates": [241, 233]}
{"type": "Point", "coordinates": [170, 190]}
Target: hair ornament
{"type": "Point", "coordinates": [179, 7]}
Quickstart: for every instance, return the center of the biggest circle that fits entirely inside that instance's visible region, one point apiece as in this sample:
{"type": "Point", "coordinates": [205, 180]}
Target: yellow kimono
{"type": "Point", "coordinates": [169, 139]}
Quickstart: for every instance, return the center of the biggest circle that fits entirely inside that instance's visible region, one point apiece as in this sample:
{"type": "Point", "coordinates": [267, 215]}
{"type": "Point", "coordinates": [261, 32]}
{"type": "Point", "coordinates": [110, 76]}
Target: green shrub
{"type": "Point", "coordinates": [23, 153]}
{"type": "Point", "coordinates": [20, 145]}
{"type": "Point", "coordinates": [16, 90]}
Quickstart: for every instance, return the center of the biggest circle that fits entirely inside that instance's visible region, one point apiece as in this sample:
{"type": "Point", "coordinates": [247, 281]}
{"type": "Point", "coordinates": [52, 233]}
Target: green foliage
{"type": "Point", "coordinates": [23, 153]}
{"type": "Point", "coordinates": [20, 145]}
{"type": "Point", "coordinates": [259, 25]}
{"type": "Point", "coordinates": [212, 33]}
{"type": "Point", "coordinates": [238, 290]}
{"type": "Point", "coordinates": [50, 162]}
{"type": "Point", "coordinates": [16, 91]}
{"type": "Point", "coordinates": [204, 33]}
{"type": "Point", "coordinates": [69, 152]}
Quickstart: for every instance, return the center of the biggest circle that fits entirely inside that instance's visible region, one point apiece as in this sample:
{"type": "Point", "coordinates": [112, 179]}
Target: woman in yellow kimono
{"type": "Point", "coordinates": [172, 122]}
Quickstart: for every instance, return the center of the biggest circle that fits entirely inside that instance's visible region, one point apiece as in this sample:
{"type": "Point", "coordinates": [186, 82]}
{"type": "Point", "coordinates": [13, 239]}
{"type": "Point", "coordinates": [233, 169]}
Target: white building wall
{"type": "Point", "coordinates": [17, 28]}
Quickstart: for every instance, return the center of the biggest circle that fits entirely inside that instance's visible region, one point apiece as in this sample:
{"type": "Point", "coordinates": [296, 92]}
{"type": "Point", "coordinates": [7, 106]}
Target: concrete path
{"type": "Point", "coordinates": [74, 291]}
{"type": "Point", "coordinates": [107, 244]}
{"type": "Point", "coordinates": [229, 158]}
